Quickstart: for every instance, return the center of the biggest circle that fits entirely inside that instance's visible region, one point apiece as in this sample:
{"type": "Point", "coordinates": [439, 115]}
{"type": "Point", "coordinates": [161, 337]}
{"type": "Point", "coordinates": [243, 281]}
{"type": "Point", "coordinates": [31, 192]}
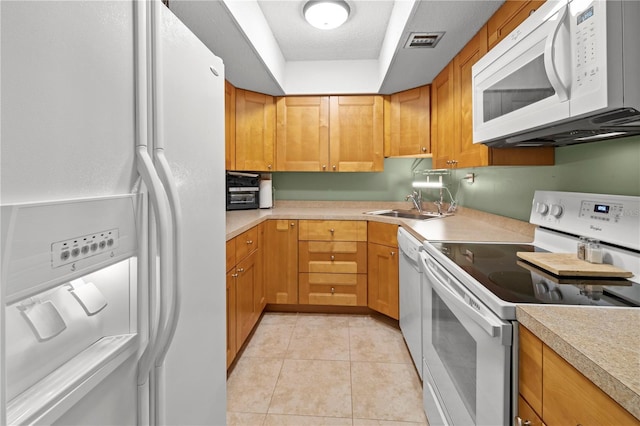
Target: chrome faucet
{"type": "Point", "coordinates": [416, 198]}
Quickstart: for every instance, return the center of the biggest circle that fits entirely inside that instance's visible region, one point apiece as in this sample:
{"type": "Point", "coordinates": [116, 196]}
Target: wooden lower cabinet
{"type": "Point", "coordinates": [382, 269]}
{"type": "Point", "coordinates": [246, 297]}
{"type": "Point", "coordinates": [281, 261]}
{"type": "Point", "coordinates": [232, 348]}
{"type": "Point", "coordinates": [553, 392]}
{"type": "Point", "coordinates": [247, 306]}
{"type": "Point", "coordinates": [332, 262]}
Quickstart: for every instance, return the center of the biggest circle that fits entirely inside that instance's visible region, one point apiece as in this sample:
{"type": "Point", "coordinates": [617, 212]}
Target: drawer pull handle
{"type": "Point", "coordinates": [393, 253]}
{"type": "Point", "coordinates": [234, 275]}
{"type": "Point", "coordinates": [332, 230]}
{"type": "Point", "coordinates": [333, 290]}
{"type": "Point", "coordinates": [333, 257]}
{"type": "Point", "coordinates": [240, 269]}
{"type": "Point", "coordinates": [249, 241]}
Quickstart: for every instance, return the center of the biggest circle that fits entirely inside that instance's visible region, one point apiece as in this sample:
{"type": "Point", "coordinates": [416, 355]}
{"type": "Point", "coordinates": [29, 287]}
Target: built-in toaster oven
{"type": "Point", "coordinates": [243, 191]}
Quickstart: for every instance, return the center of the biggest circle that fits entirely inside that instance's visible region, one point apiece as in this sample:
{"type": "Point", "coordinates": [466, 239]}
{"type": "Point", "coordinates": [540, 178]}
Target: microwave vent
{"type": "Point", "coordinates": [423, 40]}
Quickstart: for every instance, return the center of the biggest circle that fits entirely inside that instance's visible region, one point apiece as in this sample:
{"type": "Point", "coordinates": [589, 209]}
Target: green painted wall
{"type": "Point", "coordinates": [610, 167]}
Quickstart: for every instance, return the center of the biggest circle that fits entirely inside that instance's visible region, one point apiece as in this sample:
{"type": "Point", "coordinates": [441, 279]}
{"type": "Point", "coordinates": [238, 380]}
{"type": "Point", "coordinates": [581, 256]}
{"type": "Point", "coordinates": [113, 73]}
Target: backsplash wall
{"type": "Point", "coordinates": [610, 167]}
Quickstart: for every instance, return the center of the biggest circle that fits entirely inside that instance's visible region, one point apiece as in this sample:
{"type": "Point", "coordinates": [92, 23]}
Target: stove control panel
{"type": "Point", "coordinates": [610, 218]}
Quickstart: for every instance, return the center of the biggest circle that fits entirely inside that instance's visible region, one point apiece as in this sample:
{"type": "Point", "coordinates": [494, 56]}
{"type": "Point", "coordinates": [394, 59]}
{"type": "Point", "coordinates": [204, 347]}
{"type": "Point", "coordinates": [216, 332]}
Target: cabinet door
{"type": "Point", "coordinates": [247, 311]}
{"type": "Point", "coordinates": [410, 122]}
{"type": "Point", "coordinates": [356, 133]}
{"type": "Point", "coordinates": [530, 369]}
{"type": "Point", "coordinates": [569, 398]}
{"type": "Point", "coordinates": [281, 261]}
{"type": "Point", "coordinates": [255, 131]}
{"type": "Point", "coordinates": [302, 133]}
{"type": "Point", "coordinates": [260, 290]}
{"type": "Point", "coordinates": [229, 126]}
{"type": "Point", "coordinates": [382, 291]}
{"type": "Point", "coordinates": [231, 317]}
{"type": "Point", "coordinates": [465, 151]}
{"type": "Point", "coordinates": [442, 113]}
{"type": "Point", "coordinates": [511, 14]}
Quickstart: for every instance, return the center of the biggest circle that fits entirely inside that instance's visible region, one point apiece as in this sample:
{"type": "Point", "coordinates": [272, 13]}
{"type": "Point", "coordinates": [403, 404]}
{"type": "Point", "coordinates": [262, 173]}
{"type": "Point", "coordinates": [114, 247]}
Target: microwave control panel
{"type": "Point", "coordinates": [586, 45]}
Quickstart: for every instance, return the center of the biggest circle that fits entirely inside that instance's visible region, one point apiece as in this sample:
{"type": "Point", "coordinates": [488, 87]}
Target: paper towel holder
{"type": "Point", "coordinates": [266, 193]}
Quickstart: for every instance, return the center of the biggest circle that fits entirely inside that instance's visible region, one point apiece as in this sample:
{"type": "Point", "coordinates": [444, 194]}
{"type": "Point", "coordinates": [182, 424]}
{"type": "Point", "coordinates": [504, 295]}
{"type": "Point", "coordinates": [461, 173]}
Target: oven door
{"type": "Point", "coordinates": [466, 353]}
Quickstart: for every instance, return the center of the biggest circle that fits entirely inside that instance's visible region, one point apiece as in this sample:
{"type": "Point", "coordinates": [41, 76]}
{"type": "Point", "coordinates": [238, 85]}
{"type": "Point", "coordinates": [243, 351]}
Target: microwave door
{"type": "Point", "coordinates": [523, 83]}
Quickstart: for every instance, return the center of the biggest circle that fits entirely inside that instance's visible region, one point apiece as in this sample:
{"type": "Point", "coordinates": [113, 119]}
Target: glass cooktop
{"type": "Point", "coordinates": [497, 267]}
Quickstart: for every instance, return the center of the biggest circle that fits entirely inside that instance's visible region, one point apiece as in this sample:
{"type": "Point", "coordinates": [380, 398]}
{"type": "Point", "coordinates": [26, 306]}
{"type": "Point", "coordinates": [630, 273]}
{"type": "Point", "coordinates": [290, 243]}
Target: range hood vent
{"type": "Point", "coordinates": [423, 40]}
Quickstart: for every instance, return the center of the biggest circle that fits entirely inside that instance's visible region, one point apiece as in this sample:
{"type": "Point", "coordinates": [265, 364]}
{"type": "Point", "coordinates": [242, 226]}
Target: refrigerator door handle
{"type": "Point", "coordinates": [162, 212]}
{"type": "Point", "coordinates": [176, 217]}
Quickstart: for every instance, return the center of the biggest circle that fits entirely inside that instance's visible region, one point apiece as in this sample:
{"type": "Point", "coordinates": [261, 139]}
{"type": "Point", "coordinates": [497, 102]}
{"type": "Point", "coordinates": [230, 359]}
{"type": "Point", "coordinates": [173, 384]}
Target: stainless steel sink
{"type": "Point", "coordinates": [409, 214]}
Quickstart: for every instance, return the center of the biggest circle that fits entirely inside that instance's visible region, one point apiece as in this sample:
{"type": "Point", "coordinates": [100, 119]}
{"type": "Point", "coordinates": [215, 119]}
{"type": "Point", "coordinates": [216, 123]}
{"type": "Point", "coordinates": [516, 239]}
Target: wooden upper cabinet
{"type": "Point", "coordinates": [442, 117]}
{"type": "Point", "coordinates": [229, 126]}
{"type": "Point", "coordinates": [356, 133]}
{"type": "Point", "coordinates": [302, 133]}
{"type": "Point", "coordinates": [255, 131]}
{"type": "Point", "coordinates": [465, 152]}
{"type": "Point", "coordinates": [452, 118]}
{"type": "Point", "coordinates": [511, 14]}
{"type": "Point", "coordinates": [409, 123]}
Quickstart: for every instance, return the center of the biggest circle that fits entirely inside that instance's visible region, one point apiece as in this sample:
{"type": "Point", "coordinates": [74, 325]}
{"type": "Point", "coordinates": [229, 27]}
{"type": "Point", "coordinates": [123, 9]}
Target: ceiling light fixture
{"type": "Point", "coordinates": [326, 14]}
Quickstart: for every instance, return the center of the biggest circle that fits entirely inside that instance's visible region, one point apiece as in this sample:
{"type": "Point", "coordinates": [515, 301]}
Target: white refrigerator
{"type": "Point", "coordinates": [112, 292]}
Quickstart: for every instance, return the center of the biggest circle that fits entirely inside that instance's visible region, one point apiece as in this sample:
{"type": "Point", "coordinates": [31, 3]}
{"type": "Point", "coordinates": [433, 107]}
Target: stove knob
{"type": "Point", "coordinates": [556, 210]}
{"type": "Point", "coordinates": [542, 208]}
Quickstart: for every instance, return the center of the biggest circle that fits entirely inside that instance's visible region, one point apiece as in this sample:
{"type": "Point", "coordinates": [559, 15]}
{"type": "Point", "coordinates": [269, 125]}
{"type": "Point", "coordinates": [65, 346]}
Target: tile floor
{"type": "Point", "coordinates": [314, 369]}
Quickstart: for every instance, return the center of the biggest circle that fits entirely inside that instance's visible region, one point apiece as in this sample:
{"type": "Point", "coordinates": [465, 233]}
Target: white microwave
{"type": "Point", "coordinates": [568, 74]}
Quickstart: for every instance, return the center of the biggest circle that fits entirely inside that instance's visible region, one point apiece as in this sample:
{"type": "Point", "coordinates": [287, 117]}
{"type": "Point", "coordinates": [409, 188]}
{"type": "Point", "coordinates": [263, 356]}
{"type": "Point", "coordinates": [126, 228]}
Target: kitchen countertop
{"type": "Point", "coordinates": [464, 225]}
{"type": "Point", "coordinates": [602, 343]}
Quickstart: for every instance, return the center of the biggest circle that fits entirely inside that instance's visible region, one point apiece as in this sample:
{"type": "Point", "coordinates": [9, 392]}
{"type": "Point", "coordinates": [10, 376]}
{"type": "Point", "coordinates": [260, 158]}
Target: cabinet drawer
{"type": "Point", "coordinates": [333, 289]}
{"type": "Point", "coordinates": [333, 230]}
{"type": "Point", "coordinates": [333, 256]}
{"type": "Point", "coordinates": [231, 254]}
{"type": "Point", "coordinates": [246, 243]}
{"type": "Point", "coordinates": [383, 233]}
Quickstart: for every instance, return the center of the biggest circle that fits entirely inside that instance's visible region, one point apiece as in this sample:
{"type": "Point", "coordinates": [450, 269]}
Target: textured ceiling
{"type": "Point", "coordinates": [268, 47]}
{"type": "Point", "coordinates": [359, 38]}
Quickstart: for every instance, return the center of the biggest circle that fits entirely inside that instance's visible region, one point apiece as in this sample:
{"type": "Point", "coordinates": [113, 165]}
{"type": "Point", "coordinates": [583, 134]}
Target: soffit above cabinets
{"type": "Point", "coordinates": [267, 46]}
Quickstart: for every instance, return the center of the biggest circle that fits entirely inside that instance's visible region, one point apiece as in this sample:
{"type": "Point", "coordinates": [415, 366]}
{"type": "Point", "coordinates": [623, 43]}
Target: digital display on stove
{"type": "Point", "coordinates": [601, 208]}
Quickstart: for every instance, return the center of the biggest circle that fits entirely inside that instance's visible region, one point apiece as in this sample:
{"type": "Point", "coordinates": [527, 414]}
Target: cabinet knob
{"type": "Point", "coordinates": [332, 230]}
{"type": "Point", "coordinates": [293, 224]}
{"type": "Point", "coordinates": [234, 275]}
{"type": "Point", "coordinates": [393, 253]}
{"type": "Point", "coordinates": [519, 422]}
{"type": "Point", "coordinates": [334, 167]}
{"type": "Point", "coordinates": [324, 167]}
{"type": "Point", "coordinates": [333, 257]}
{"type": "Point", "coordinates": [269, 166]}
{"type": "Point", "coordinates": [249, 241]}
{"type": "Point", "coordinates": [424, 149]}
{"type": "Point", "coordinates": [240, 270]}
{"type": "Point", "coordinates": [333, 290]}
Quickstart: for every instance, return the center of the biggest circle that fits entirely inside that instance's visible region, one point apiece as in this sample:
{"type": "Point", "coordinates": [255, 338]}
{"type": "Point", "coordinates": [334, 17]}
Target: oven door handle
{"type": "Point", "coordinates": [490, 324]}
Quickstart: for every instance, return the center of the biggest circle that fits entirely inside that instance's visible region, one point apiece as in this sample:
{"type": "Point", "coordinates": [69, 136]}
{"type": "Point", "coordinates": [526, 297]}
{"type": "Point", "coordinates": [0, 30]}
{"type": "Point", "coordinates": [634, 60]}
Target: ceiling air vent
{"type": "Point", "coordinates": [423, 40]}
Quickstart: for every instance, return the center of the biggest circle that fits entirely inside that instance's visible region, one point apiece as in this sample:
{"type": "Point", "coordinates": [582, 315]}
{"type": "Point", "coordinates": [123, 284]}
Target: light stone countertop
{"type": "Point", "coordinates": [464, 225]}
{"type": "Point", "coordinates": [602, 343]}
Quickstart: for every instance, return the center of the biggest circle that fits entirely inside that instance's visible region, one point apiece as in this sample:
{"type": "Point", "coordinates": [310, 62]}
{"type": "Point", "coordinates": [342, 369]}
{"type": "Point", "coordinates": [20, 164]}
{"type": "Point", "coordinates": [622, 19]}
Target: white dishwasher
{"type": "Point", "coordinates": [411, 295]}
